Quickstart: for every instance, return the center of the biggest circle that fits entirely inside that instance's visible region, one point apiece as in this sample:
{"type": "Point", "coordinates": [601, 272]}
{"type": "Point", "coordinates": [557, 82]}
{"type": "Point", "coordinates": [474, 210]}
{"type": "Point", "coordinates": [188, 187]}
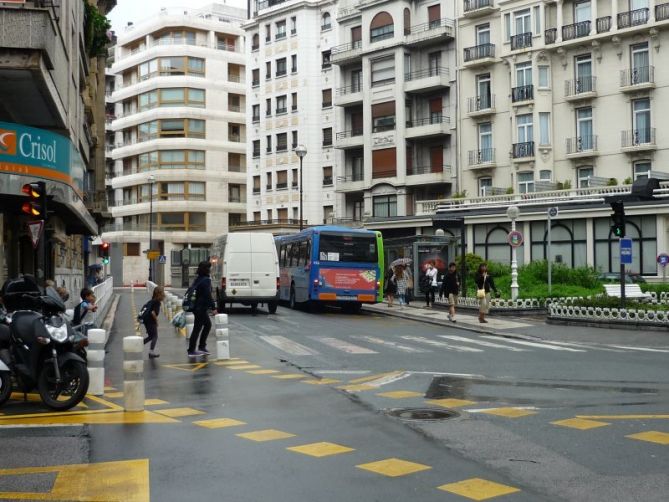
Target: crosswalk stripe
{"type": "Point", "coordinates": [586, 346]}
{"type": "Point", "coordinates": [535, 344]}
{"type": "Point", "coordinates": [289, 346]}
{"type": "Point", "coordinates": [437, 343]}
{"type": "Point", "coordinates": [347, 347]}
{"type": "Point", "coordinates": [642, 349]}
{"type": "Point", "coordinates": [481, 342]}
{"type": "Point", "coordinates": [391, 344]}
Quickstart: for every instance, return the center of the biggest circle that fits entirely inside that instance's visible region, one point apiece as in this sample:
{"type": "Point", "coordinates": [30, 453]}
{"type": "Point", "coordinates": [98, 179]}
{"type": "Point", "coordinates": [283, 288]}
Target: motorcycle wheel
{"type": "Point", "coordinates": [70, 391]}
{"type": "Point", "coordinates": [5, 386]}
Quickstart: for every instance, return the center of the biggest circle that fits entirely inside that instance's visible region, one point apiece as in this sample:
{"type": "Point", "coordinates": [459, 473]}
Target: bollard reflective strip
{"type": "Point", "coordinates": [133, 356]}
{"type": "Point", "coordinates": [96, 364]}
{"type": "Point", "coordinates": [131, 376]}
{"type": "Point", "coordinates": [96, 346]}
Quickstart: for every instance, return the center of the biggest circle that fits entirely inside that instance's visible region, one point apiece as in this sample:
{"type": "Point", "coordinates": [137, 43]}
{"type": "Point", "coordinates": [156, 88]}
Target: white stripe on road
{"type": "Point", "coordinates": [349, 348]}
{"type": "Point", "coordinates": [643, 349]}
{"type": "Point", "coordinates": [481, 342]}
{"type": "Point", "coordinates": [289, 346]}
{"type": "Point", "coordinates": [587, 346]}
{"type": "Point", "coordinates": [391, 344]}
{"type": "Point", "coordinates": [437, 343]}
{"type": "Point", "coordinates": [534, 344]}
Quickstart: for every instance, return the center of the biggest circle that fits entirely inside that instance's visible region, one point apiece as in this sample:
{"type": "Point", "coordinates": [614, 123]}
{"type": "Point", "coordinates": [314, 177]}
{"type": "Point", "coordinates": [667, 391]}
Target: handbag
{"type": "Point", "coordinates": [480, 293]}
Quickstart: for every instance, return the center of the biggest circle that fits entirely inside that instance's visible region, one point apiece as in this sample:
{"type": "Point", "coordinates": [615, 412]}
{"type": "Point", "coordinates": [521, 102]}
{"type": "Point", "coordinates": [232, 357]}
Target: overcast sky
{"type": "Point", "coordinates": [138, 10]}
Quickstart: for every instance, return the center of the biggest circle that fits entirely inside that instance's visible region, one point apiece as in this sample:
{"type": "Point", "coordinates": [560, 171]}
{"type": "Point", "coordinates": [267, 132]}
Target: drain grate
{"type": "Point", "coordinates": [422, 414]}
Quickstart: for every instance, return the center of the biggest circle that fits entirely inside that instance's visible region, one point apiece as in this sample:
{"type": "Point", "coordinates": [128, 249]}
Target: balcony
{"type": "Point", "coordinates": [346, 53]}
{"type": "Point", "coordinates": [550, 36]}
{"type": "Point", "coordinates": [481, 106]}
{"type": "Point", "coordinates": [662, 12]}
{"type": "Point", "coordinates": [429, 80]}
{"type": "Point", "coordinates": [638, 140]}
{"type": "Point", "coordinates": [576, 30]}
{"type": "Point", "coordinates": [354, 181]}
{"type": "Point", "coordinates": [278, 225]}
{"type": "Point", "coordinates": [636, 79]}
{"type": "Point", "coordinates": [476, 8]}
{"type": "Point", "coordinates": [349, 139]}
{"type": "Point", "coordinates": [431, 32]}
{"type": "Point", "coordinates": [479, 55]}
{"type": "Point", "coordinates": [350, 95]}
{"type": "Point", "coordinates": [436, 125]}
{"type": "Point", "coordinates": [522, 93]}
{"type": "Point", "coordinates": [582, 147]}
{"type": "Point", "coordinates": [580, 88]}
{"type": "Point", "coordinates": [428, 173]}
{"type": "Point", "coordinates": [482, 159]}
{"type": "Point", "coordinates": [522, 152]}
{"type": "Point", "coordinates": [603, 24]}
{"type": "Point", "coordinates": [633, 18]}
{"type": "Point", "coordinates": [521, 41]}
{"type": "Point", "coordinates": [327, 181]}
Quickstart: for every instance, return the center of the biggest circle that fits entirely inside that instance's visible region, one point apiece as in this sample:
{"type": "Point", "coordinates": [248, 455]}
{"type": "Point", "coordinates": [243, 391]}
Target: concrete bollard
{"type": "Point", "coordinates": [222, 337]}
{"type": "Point", "coordinates": [133, 373]}
{"type": "Point", "coordinates": [190, 323]}
{"type": "Point", "coordinates": [96, 361]}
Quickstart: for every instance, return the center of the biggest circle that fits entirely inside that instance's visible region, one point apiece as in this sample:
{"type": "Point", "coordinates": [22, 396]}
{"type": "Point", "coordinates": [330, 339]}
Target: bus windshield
{"type": "Point", "coordinates": [347, 247]}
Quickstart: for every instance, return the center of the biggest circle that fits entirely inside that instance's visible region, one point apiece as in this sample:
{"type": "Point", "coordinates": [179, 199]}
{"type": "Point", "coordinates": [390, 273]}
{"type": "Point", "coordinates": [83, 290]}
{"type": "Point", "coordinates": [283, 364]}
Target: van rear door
{"type": "Point", "coordinates": [239, 266]}
{"type": "Point", "coordinates": [265, 266]}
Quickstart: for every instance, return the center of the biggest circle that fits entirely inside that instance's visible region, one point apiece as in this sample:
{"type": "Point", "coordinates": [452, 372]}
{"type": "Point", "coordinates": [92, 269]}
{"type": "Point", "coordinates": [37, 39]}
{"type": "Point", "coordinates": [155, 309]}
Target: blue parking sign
{"type": "Point", "coordinates": [626, 251]}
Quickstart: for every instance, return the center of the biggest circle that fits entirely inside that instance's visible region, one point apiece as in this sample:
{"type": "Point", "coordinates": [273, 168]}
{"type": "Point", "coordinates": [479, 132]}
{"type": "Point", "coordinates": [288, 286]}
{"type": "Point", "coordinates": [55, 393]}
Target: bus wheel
{"type": "Point", "coordinates": [254, 308]}
{"type": "Point", "coordinates": [292, 303]}
{"type": "Point", "coordinates": [272, 306]}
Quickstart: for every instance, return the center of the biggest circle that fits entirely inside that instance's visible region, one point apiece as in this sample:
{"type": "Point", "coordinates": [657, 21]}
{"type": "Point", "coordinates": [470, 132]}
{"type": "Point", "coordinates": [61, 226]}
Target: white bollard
{"type": "Point", "coordinates": [133, 373]}
{"type": "Point", "coordinates": [190, 323]}
{"type": "Point", "coordinates": [221, 320]}
{"type": "Point", "coordinates": [96, 361]}
{"type": "Point", "coordinates": [222, 344]}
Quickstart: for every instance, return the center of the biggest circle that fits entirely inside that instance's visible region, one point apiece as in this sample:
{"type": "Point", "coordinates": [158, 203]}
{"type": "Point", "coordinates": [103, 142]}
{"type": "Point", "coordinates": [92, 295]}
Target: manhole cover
{"type": "Point", "coordinates": [423, 414]}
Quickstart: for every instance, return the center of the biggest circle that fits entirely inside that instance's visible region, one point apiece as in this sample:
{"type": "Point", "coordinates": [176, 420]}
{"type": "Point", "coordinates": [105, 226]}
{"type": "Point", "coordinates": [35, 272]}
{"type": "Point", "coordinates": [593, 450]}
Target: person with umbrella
{"type": "Point", "coordinates": [405, 263]}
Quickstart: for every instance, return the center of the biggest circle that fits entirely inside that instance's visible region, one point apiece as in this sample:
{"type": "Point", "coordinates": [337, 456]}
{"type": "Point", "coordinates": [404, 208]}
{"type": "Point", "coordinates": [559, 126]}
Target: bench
{"type": "Point", "coordinates": [631, 291]}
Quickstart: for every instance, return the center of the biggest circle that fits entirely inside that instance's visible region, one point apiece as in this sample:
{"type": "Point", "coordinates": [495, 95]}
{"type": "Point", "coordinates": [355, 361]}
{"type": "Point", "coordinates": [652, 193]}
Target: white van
{"type": "Point", "coordinates": [245, 269]}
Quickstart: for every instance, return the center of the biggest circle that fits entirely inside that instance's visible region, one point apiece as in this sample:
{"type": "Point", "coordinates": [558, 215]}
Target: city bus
{"type": "Point", "coordinates": [331, 265]}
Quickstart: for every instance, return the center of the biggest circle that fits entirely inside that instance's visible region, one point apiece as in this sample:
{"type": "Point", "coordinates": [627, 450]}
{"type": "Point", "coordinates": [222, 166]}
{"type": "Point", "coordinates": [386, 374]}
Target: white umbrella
{"type": "Point", "coordinates": [401, 261]}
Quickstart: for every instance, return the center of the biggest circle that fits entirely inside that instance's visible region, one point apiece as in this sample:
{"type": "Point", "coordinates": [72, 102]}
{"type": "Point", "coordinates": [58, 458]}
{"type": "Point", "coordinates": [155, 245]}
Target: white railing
{"type": "Point", "coordinates": [104, 293]}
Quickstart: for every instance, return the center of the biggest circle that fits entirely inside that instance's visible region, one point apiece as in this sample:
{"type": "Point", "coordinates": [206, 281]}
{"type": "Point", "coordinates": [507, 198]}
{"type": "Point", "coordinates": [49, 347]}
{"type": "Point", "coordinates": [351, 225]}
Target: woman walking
{"type": "Point", "coordinates": [430, 283]}
{"type": "Point", "coordinates": [401, 279]}
{"type": "Point", "coordinates": [203, 303]}
{"type": "Point", "coordinates": [150, 319]}
{"type": "Point", "coordinates": [484, 284]}
{"type": "Point", "coordinates": [391, 287]}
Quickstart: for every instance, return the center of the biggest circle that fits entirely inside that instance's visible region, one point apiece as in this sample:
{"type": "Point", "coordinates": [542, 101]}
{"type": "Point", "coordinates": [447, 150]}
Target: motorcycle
{"type": "Point", "coordinates": [39, 349]}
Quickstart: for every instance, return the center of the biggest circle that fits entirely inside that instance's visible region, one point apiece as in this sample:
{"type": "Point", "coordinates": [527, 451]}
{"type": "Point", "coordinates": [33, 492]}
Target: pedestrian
{"type": "Point", "coordinates": [430, 283]}
{"type": "Point", "coordinates": [391, 287]}
{"type": "Point", "coordinates": [409, 276]}
{"type": "Point", "coordinates": [86, 305]}
{"type": "Point", "coordinates": [451, 287]}
{"type": "Point", "coordinates": [202, 304]}
{"type": "Point", "coordinates": [401, 282]}
{"type": "Point", "coordinates": [151, 320]}
{"type": "Point", "coordinates": [484, 284]}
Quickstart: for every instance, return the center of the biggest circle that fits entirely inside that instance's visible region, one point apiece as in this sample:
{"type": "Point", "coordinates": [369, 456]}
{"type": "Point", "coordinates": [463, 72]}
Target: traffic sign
{"type": "Point", "coordinates": [162, 259]}
{"type": "Point", "coordinates": [35, 228]}
{"type": "Point", "coordinates": [663, 259]}
{"type": "Point", "coordinates": [515, 239]}
{"type": "Point", "coordinates": [153, 255]}
{"type": "Point", "coordinates": [552, 212]}
{"type": "Point", "coordinates": [626, 251]}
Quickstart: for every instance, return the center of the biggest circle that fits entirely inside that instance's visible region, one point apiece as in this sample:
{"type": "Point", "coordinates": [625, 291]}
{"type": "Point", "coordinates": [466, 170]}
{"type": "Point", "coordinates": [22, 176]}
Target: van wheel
{"type": "Point", "coordinates": [291, 302]}
{"type": "Point", "coordinates": [272, 306]}
{"type": "Point", "coordinates": [254, 308]}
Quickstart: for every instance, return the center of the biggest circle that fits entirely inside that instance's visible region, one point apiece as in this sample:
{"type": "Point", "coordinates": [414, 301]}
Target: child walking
{"type": "Point", "coordinates": [151, 320]}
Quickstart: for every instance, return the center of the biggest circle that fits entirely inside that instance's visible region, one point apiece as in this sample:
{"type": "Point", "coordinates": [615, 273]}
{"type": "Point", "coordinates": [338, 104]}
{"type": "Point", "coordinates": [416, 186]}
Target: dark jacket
{"type": "Point", "coordinates": [489, 283]}
{"type": "Point", "coordinates": [203, 298]}
{"type": "Point", "coordinates": [451, 283]}
{"type": "Point", "coordinates": [154, 306]}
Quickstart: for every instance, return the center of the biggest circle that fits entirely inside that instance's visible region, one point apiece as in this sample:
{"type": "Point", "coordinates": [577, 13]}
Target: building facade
{"type": "Point", "coordinates": [180, 137]}
{"type": "Point", "coordinates": [290, 89]}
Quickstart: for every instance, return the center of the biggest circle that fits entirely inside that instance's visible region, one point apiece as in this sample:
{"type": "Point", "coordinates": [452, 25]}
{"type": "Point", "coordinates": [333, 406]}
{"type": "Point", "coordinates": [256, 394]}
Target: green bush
{"type": "Point", "coordinates": [655, 287]}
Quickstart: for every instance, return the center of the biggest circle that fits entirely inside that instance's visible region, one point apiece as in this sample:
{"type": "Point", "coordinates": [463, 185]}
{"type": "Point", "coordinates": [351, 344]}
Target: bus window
{"type": "Point", "coordinates": [282, 258]}
{"type": "Point", "coordinates": [346, 247]}
{"type": "Point", "coordinates": [293, 249]}
{"type": "Point", "coordinates": [303, 254]}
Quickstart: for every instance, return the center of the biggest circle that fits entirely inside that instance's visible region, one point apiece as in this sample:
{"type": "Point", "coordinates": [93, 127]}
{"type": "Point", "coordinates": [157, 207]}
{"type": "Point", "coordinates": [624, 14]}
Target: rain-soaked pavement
{"type": "Point", "coordinates": [341, 407]}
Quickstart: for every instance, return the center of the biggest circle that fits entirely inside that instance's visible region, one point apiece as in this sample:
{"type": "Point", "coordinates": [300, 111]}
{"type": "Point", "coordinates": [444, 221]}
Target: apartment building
{"type": "Point", "coordinates": [290, 102]}
{"type": "Point", "coordinates": [180, 138]}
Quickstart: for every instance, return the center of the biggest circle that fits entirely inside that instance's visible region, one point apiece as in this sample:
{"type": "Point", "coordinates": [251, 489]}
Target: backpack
{"type": "Point", "coordinates": [144, 312]}
{"type": "Point", "coordinates": [425, 283]}
{"type": "Point", "coordinates": [188, 303]}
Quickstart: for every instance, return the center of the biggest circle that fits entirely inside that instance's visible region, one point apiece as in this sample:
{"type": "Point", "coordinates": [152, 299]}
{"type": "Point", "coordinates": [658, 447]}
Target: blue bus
{"type": "Point", "coordinates": [331, 265]}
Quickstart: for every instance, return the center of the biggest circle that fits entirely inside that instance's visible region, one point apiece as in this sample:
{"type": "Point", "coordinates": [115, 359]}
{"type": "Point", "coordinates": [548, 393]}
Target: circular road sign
{"type": "Point", "coordinates": [663, 259]}
{"type": "Point", "coordinates": [515, 239]}
{"type": "Point", "coordinates": [552, 212]}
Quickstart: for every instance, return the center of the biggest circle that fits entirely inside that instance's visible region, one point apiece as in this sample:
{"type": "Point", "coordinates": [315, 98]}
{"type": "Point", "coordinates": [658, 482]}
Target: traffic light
{"type": "Point", "coordinates": [104, 252]}
{"type": "Point", "coordinates": [36, 206]}
{"type": "Point", "coordinates": [618, 217]}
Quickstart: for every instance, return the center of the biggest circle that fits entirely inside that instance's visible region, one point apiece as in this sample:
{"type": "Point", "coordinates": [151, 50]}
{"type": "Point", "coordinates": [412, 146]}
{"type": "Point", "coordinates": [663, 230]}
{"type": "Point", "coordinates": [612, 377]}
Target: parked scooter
{"type": "Point", "coordinates": [38, 347]}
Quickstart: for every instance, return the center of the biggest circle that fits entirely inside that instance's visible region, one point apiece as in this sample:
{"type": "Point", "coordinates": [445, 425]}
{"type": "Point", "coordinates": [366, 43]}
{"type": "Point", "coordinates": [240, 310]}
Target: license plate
{"type": "Point", "coordinates": [346, 297]}
{"type": "Point", "coordinates": [239, 283]}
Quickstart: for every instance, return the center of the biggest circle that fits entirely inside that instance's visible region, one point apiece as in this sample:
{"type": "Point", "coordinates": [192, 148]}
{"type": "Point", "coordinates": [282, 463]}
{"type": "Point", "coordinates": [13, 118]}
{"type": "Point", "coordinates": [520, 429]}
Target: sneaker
{"type": "Point", "coordinates": [204, 352]}
{"type": "Point", "coordinates": [153, 355]}
{"type": "Point", "coordinates": [194, 354]}
{"type": "Point", "coordinates": [450, 317]}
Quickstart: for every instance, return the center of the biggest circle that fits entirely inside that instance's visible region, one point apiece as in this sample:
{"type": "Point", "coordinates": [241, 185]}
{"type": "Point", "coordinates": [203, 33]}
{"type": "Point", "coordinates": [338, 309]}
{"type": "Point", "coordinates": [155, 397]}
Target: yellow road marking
{"type": "Point", "coordinates": [219, 423]}
{"type": "Point", "coordinates": [369, 378]}
{"type": "Point", "coordinates": [244, 367]}
{"type": "Point", "coordinates": [508, 412]}
{"type": "Point", "coordinates": [320, 449]}
{"type": "Point", "coordinates": [451, 403]}
{"type": "Point", "coordinates": [103, 417]}
{"type": "Point", "coordinates": [154, 402]}
{"type": "Point", "coordinates": [114, 395]}
{"type": "Point", "coordinates": [187, 366]}
{"type": "Point", "coordinates": [356, 387]}
{"type": "Point", "coordinates": [104, 402]}
{"type": "Point", "coordinates": [180, 412]}
{"type": "Point", "coordinates": [478, 489]}
{"type": "Point", "coordinates": [400, 394]}
{"type": "Point", "coordinates": [231, 362]}
{"type": "Point", "coordinates": [393, 467]}
{"type": "Point", "coordinates": [109, 388]}
{"type": "Point", "coordinates": [651, 437]}
{"type": "Point", "coordinates": [126, 480]}
{"type": "Point", "coordinates": [624, 417]}
{"type": "Point", "coordinates": [579, 423]}
{"type": "Point", "coordinates": [321, 381]}
{"type": "Point", "coordinates": [266, 435]}
{"type": "Point", "coordinates": [289, 376]}
{"type": "Point", "coordinates": [263, 372]}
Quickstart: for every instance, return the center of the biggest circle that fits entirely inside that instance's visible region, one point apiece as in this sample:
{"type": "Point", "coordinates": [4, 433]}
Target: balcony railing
{"type": "Point", "coordinates": [484, 156]}
{"type": "Point", "coordinates": [256, 153]}
{"type": "Point", "coordinates": [521, 41]}
{"type": "Point", "coordinates": [479, 52]}
{"type": "Point", "coordinates": [349, 134]}
{"type": "Point", "coordinates": [633, 18]}
{"type": "Point", "coordinates": [235, 78]}
{"type": "Point", "coordinates": [384, 127]}
{"type": "Point", "coordinates": [255, 118]}
{"type": "Point", "coordinates": [603, 24]}
{"type": "Point", "coordinates": [434, 119]}
{"type": "Point", "coordinates": [351, 89]}
{"type": "Point", "coordinates": [481, 103]}
{"type": "Point", "coordinates": [346, 50]}
{"type": "Point", "coordinates": [255, 83]}
{"type": "Point", "coordinates": [580, 85]}
{"type": "Point", "coordinates": [522, 93]}
{"type": "Point", "coordinates": [429, 26]}
{"type": "Point", "coordinates": [282, 186]}
{"type": "Point", "coordinates": [430, 72]}
{"type": "Point", "coordinates": [327, 181]}
{"type": "Point", "coordinates": [224, 46]}
{"type": "Point", "coordinates": [256, 191]}
{"type": "Point", "coordinates": [352, 176]}
{"type": "Point", "coordinates": [638, 137]}
{"type": "Point", "coordinates": [281, 111]}
{"type": "Point", "coordinates": [471, 5]}
{"type": "Point", "coordinates": [581, 144]}
{"type": "Point", "coordinates": [637, 76]}
{"type": "Point", "coordinates": [259, 223]}
{"type": "Point", "coordinates": [576, 30]}
{"type": "Point", "coordinates": [426, 169]}
{"type": "Point", "coordinates": [550, 36]}
{"type": "Point", "coordinates": [523, 150]}
{"type": "Point", "coordinates": [662, 12]}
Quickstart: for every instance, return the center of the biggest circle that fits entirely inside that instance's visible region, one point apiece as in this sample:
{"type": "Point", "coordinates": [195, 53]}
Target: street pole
{"type": "Point", "coordinates": [301, 151]}
{"type": "Point", "coordinates": [550, 264]}
{"type": "Point", "coordinates": [512, 213]}
{"type": "Point", "coordinates": [622, 276]}
{"type": "Point", "coordinates": [152, 179]}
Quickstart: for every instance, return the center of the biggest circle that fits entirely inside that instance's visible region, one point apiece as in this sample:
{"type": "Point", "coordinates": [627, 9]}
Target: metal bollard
{"type": "Point", "coordinates": [222, 337]}
{"type": "Point", "coordinates": [96, 361]}
{"type": "Point", "coordinates": [133, 373]}
{"type": "Point", "coordinates": [190, 323]}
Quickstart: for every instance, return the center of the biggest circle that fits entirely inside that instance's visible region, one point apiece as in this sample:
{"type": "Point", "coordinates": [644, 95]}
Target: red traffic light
{"type": "Point", "coordinates": [31, 209]}
{"type": "Point", "coordinates": [36, 206]}
{"type": "Point", "coordinates": [34, 190]}
{"type": "Point", "coordinates": [105, 245]}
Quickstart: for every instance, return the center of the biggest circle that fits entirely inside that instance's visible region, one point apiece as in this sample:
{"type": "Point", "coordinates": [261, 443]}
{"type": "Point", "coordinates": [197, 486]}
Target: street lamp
{"type": "Point", "coordinates": [512, 213]}
{"type": "Point", "coordinates": [301, 151]}
{"type": "Point", "coordinates": [152, 180]}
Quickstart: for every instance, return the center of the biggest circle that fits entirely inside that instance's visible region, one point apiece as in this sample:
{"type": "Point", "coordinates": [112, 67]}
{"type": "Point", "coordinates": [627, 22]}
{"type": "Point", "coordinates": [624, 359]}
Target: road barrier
{"type": "Point", "coordinates": [222, 337]}
{"type": "Point", "coordinates": [133, 373]}
{"type": "Point", "coordinates": [96, 361]}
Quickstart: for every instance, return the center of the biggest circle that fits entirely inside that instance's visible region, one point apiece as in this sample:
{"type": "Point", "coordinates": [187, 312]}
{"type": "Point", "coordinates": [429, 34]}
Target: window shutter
{"type": "Point", "coordinates": [383, 109]}
{"type": "Point", "coordinates": [384, 163]}
{"type": "Point", "coordinates": [356, 34]}
{"type": "Point", "coordinates": [434, 13]}
{"type": "Point", "coordinates": [436, 105]}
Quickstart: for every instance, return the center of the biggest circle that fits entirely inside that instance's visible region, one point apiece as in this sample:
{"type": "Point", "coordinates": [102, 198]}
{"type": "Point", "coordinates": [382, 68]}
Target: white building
{"type": "Point", "coordinates": [180, 133]}
{"type": "Point", "coordinates": [290, 89]}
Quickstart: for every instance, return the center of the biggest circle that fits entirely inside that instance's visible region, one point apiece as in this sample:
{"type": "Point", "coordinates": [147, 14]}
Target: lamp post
{"type": "Point", "coordinates": [152, 180]}
{"type": "Point", "coordinates": [512, 213]}
{"type": "Point", "coordinates": [301, 151]}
